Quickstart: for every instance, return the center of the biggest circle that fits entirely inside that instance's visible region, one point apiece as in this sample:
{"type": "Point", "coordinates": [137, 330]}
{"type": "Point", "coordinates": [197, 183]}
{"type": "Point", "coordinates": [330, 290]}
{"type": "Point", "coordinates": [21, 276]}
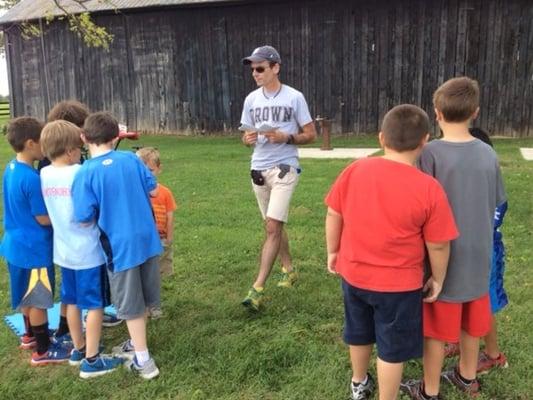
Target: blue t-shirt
{"type": "Point", "coordinates": [26, 243]}
{"type": "Point", "coordinates": [113, 189]}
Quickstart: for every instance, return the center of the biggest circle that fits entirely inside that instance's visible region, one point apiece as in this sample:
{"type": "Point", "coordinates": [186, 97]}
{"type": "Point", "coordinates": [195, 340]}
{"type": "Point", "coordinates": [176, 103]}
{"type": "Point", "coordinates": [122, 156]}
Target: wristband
{"type": "Point", "coordinates": [290, 139]}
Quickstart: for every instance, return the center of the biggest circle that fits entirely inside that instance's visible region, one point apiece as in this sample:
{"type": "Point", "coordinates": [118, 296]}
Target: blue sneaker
{"type": "Point", "coordinates": [65, 339]}
{"type": "Point", "coordinates": [76, 356]}
{"type": "Point", "coordinates": [110, 320]}
{"type": "Point", "coordinates": [102, 366]}
{"type": "Point", "coordinates": [57, 353]}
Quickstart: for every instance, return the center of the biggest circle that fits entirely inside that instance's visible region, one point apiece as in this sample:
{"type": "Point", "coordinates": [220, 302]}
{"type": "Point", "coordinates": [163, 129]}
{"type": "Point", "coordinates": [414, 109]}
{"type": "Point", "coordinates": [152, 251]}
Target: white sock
{"type": "Point", "coordinates": [142, 357]}
{"type": "Point", "coordinates": [363, 382]}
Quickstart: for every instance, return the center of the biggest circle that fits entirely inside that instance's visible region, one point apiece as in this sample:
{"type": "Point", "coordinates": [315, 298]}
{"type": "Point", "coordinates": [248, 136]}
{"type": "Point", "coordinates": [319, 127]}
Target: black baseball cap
{"type": "Point", "coordinates": [263, 53]}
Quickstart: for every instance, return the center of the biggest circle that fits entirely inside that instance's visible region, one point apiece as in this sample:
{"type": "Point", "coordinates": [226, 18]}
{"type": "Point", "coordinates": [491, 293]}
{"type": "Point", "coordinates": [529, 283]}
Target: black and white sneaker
{"type": "Point", "coordinates": [362, 391]}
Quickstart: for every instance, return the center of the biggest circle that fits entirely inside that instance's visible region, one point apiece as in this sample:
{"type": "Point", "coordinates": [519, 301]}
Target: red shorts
{"type": "Point", "coordinates": [444, 321]}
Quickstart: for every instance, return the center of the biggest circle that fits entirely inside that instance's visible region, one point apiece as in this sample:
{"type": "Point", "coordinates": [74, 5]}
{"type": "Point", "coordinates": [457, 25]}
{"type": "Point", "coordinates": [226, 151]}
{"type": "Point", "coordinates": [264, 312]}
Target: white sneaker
{"type": "Point", "coordinates": [124, 350]}
{"type": "Point", "coordinates": [148, 371]}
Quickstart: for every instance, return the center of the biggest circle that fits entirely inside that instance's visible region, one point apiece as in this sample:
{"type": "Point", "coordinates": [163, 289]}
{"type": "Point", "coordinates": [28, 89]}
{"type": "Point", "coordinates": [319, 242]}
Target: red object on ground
{"type": "Point", "coordinates": [128, 135]}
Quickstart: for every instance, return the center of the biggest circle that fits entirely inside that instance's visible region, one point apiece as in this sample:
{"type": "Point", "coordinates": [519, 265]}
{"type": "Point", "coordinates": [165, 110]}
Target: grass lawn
{"type": "Point", "coordinates": [208, 347]}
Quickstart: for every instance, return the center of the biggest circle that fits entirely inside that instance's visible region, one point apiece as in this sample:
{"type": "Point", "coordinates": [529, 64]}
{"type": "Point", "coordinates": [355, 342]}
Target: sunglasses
{"type": "Point", "coordinates": [259, 70]}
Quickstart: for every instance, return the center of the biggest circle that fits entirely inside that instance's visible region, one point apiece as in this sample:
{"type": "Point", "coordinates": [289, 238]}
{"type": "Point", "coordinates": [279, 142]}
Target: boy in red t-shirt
{"type": "Point", "coordinates": [164, 206]}
{"type": "Point", "coordinates": [383, 214]}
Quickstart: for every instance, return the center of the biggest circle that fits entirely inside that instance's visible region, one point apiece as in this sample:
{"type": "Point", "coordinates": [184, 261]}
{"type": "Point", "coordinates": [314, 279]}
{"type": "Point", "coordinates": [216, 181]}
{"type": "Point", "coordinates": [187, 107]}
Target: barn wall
{"type": "Point", "coordinates": [179, 70]}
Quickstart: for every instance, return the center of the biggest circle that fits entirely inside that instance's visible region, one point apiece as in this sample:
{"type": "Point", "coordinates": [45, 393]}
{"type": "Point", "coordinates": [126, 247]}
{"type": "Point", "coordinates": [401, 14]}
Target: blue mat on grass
{"type": "Point", "coordinates": [16, 322]}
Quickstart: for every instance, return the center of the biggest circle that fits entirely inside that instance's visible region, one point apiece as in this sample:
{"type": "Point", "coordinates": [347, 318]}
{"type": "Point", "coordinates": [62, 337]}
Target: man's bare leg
{"type": "Point", "coordinates": [284, 253]}
{"type": "Point", "coordinates": [270, 250]}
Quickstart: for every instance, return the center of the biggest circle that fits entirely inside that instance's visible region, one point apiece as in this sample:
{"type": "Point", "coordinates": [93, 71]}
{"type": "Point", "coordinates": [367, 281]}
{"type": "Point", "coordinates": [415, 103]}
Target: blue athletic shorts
{"type": "Point", "coordinates": [27, 292]}
{"type": "Point", "coordinates": [391, 320]}
{"type": "Point", "coordinates": [86, 288]}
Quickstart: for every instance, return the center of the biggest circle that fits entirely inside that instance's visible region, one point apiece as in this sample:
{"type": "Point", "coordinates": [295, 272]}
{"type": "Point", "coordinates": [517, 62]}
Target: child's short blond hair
{"type": "Point", "coordinates": [58, 137]}
{"type": "Point", "coordinates": [149, 154]}
{"type": "Point", "coordinates": [457, 99]}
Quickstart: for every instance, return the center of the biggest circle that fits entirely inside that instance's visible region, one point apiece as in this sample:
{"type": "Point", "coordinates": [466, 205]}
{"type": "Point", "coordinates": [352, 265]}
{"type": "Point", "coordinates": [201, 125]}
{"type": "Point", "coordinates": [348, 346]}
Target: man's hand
{"type": "Point", "coordinates": [433, 289]}
{"type": "Point", "coordinates": [249, 138]}
{"type": "Point", "coordinates": [332, 261]}
{"type": "Point", "coordinates": [277, 136]}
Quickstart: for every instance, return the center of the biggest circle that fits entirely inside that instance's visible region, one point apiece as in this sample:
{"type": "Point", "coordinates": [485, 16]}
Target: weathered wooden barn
{"type": "Point", "coordinates": [174, 66]}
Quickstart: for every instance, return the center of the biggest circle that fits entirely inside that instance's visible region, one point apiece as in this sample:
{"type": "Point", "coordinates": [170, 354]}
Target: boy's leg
{"type": "Point", "coordinates": [491, 340]}
{"type": "Point", "coordinates": [476, 323]}
{"type": "Point", "coordinates": [68, 293]}
{"type": "Point", "coordinates": [75, 326]}
{"type": "Point", "coordinates": [39, 324]}
{"type": "Point", "coordinates": [166, 261]}
{"type": "Point", "coordinates": [93, 331]}
{"type": "Point", "coordinates": [92, 291]}
{"type": "Point", "coordinates": [468, 356]}
{"type": "Point", "coordinates": [133, 291]}
{"type": "Point", "coordinates": [137, 331]}
{"type": "Point", "coordinates": [398, 324]}
{"type": "Point", "coordinates": [389, 378]}
{"type": "Point", "coordinates": [360, 358]}
{"type": "Point", "coordinates": [63, 327]}
{"type": "Point", "coordinates": [433, 360]}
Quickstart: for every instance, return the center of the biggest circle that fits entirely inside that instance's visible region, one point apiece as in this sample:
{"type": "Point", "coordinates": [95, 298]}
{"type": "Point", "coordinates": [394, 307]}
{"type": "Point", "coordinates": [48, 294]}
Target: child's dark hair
{"type": "Point", "coordinates": [480, 134]}
{"type": "Point", "coordinates": [22, 129]}
{"type": "Point", "coordinates": [100, 127]}
{"type": "Point", "coordinates": [404, 127]}
{"type": "Point", "coordinates": [71, 111]}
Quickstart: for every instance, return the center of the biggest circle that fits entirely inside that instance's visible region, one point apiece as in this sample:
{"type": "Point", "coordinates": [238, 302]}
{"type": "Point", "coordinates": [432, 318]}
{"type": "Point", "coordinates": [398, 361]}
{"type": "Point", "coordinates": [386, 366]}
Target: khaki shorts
{"type": "Point", "coordinates": [274, 196]}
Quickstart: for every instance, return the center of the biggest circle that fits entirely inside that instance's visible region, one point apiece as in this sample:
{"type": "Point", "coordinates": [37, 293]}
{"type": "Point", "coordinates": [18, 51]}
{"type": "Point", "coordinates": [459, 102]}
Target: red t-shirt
{"type": "Point", "coordinates": [389, 210]}
{"type": "Point", "coordinates": [161, 204]}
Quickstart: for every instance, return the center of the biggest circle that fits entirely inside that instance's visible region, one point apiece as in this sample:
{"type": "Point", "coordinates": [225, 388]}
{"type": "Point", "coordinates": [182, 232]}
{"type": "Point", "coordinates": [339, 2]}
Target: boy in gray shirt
{"type": "Point", "coordinates": [468, 170]}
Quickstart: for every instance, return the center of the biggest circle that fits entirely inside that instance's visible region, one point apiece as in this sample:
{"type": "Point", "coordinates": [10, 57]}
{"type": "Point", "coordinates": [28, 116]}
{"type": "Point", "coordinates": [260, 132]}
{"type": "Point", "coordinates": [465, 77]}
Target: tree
{"type": "Point", "coordinates": [79, 23]}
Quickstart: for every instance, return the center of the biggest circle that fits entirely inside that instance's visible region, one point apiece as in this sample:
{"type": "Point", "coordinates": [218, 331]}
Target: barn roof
{"type": "Point", "coordinates": [28, 10]}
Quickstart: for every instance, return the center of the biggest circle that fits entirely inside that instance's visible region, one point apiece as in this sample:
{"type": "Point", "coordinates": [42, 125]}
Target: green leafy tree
{"type": "Point", "coordinates": [79, 23]}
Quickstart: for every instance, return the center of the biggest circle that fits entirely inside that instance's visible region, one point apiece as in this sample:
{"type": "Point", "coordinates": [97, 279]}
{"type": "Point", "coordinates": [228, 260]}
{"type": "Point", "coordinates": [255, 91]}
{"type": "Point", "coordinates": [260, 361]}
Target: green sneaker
{"type": "Point", "coordinates": [287, 278]}
{"type": "Point", "coordinates": [254, 299]}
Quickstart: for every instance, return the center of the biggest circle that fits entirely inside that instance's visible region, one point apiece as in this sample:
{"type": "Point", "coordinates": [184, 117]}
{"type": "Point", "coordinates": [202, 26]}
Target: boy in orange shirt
{"type": "Point", "coordinates": [164, 206]}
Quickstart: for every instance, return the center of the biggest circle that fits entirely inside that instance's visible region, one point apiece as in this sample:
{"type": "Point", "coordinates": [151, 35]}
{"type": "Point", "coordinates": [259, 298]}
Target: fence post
{"type": "Point", "coordinates": [324, 125]}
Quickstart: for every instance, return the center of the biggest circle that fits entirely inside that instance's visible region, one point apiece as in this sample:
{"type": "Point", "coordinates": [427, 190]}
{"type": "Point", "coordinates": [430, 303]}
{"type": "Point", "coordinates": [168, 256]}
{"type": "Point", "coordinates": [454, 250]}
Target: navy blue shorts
{"type": "Point", "coordinates": [391, 320]}
{"type": "Point", "coordinates": [32, 287]}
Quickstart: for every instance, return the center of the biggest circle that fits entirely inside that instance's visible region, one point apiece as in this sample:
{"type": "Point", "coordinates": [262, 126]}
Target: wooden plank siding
{"type": "Point", "coordinates": [179, 70]}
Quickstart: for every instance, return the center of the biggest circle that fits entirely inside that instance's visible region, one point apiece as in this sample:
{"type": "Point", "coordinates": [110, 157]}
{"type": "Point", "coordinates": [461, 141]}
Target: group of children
{"type": "Point", "coordinates": [98, 221]}
{"type": "Point", "coordinates": [411, 235]}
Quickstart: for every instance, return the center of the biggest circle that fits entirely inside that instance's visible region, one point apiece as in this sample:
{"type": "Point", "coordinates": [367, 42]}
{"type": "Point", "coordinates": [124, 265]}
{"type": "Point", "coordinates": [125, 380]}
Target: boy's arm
{"type": "Point", "coordinates": [43, 220]}
{"type": "Point", "coordinates": [155, 192]}
{"type": "Point", "coordinates": [333, 237]}
{"type": "Point", "coordinates": [170, 227]}
{"type": "Point", "coordinates": [439, 254]}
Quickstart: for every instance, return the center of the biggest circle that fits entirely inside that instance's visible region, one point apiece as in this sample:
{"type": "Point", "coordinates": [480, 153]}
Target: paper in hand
{"type": "Point", "coordinates": [262, 128]}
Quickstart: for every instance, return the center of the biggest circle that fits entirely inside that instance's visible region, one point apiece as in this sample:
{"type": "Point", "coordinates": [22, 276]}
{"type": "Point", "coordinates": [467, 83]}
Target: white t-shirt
{"type": "Point", "coordinates": [286, 111]}
{"type": "Point", "coordinates": [75, 246]}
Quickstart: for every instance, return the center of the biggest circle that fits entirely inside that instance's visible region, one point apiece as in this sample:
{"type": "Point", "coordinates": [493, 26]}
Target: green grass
{"type": "Point", "coordinates": [209, 347]}
{"type": "Point", "coordinates": [4, 115]}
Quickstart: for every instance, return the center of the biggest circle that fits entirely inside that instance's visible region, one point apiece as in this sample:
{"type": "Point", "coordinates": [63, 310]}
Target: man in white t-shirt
{"type": "Point", "coordinates": [275, 119]}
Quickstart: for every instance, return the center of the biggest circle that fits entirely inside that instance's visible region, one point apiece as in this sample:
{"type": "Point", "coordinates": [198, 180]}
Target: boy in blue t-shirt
{"type": "Point", "coordinates": [113, 188]}
{"type": "Point", "coordinates": [27, 242]}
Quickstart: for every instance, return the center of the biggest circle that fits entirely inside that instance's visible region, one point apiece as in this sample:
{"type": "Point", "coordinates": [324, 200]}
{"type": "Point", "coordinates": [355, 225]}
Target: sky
{"type": "Point", "coordinates": [4, 87]}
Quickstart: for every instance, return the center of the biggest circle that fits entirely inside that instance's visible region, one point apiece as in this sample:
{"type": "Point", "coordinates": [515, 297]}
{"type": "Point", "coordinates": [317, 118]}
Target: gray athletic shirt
{"type": "Point", "coordinates": [471, 177]}
{"type": "Point", "coordinates": [286, 111]}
